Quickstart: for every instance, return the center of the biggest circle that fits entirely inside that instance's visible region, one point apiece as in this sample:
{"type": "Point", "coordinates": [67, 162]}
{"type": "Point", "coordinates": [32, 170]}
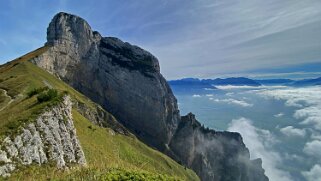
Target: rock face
{"type": "Point", "coordinates": [52, 137]}
{"type": "Point", "coordinates": [214, 155]}
{"type": "Point", "coordinates": [100, 117]}
{"type": "Point", "coordinates": [126, 80]}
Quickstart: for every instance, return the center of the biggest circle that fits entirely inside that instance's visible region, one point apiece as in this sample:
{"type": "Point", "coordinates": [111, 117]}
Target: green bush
{"type": "Point", "coordinates": [49, 95]}
{"type": "Point", "coordinates": [36, 91]}
{"type": "Point", "coordinates": [119, 174]}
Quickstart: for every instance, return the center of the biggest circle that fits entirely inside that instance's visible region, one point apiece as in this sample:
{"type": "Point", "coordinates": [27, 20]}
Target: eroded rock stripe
{"type": "Point", "coordinates": [52, 137]}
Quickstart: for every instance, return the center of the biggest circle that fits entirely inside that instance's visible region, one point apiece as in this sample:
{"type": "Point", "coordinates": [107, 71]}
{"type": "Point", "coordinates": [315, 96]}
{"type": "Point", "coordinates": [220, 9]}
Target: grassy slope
{"type": "Point", "coordinates": [103, 149]}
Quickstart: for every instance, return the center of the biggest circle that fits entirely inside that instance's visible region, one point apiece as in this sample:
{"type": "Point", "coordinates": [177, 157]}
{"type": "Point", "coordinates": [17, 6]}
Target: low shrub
{"type": "Point", "coordinates": [36, 91]}
{"type": "Point", "coordinates": [118, 174]}
{"type": "Point", "coordinates": [49, 95]}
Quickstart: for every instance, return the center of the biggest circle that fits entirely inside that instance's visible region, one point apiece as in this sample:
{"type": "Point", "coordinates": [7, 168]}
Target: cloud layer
{"type": "Point", "coordinates": [233, 101]}
{"type": "Point", "coordinates": [307, 104]}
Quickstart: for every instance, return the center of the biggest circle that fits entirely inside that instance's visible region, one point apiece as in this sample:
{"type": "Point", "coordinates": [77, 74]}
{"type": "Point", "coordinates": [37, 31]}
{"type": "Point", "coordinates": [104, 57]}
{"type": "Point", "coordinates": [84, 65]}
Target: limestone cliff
{"type": "Point", "coordinates": [51, 138]}
{"type": "Point", "coordinates": [126, 81]}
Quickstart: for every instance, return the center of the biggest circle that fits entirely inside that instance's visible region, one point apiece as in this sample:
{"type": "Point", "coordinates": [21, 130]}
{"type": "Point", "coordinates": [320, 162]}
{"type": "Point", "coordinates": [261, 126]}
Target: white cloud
{"type": "Point", "coordinates": [313, 148]}
{"type": "Point", "coordinates": [315, 134]}
{"type": "Point", "coordinates": [291, 131]}
{"type": "Point", "coordinates": [229, 94]}
{"type": "Point", "coordinates": [196, 95]}
{"type": "Point", "coordinates": [293, 157]}
{"type": "Point", "coordinates": [307, 104]}
{"type": "Point", "coordinates": [307, 100]}
{"type": "Point", "coordinates": [233, 101]}
{"type": "Point", "coordinates": [279, 115]}
{"type": "Point", "coordinates": [311, 115]}
{"type": "Point", "coordinates": [259, 142]}
{"type": "Point", "coordinates": [314, 174]}
{"type": "Point", "coordinates": [209, 95]}
{"type": "Point", "coordinates": [226, 87]}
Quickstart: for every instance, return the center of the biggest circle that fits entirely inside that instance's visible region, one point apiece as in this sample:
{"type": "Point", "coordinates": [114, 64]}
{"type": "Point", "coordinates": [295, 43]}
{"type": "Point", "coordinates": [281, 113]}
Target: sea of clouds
{"type": "Point", "coordinates": [307, 104]}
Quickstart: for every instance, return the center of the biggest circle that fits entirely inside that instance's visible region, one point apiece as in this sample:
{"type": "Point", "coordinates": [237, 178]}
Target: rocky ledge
{"type": "Point", "coordinates": [50, 138]}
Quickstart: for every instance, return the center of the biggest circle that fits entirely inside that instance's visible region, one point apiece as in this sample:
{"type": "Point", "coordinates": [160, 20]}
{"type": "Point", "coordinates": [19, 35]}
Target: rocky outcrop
{"type": "Point", "coordinates": [100, 117]}
{"type": "Point", "coordinates": [50, 138]}
{"type": "Point", "coordinates": [123, 78]}
{"type": "Point", "coordinates": [126, 80]}
{"type": "Point", "coordinates": [214, 155]}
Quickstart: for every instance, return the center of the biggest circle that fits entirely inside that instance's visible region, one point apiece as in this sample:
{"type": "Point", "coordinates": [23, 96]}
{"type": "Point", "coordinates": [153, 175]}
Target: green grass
{"type": "Point", "coordinates": [107, 153]}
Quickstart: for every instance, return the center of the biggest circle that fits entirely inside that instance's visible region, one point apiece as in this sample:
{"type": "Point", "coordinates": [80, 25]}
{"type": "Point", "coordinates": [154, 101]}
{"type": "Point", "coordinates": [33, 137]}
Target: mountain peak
{"type": "Point", "coordinates": [69, 27]}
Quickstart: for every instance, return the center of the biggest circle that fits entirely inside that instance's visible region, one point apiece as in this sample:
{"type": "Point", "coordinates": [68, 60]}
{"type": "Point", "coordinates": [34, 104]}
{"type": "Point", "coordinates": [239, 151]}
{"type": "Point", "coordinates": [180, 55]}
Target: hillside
{"type": "Point", "coordinates": [109, 149]}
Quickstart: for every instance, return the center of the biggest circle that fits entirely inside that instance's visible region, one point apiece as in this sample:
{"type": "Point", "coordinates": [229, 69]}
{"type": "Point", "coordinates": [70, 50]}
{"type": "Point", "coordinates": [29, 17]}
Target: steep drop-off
{"type": "Point", "coordinates": [126, 80]}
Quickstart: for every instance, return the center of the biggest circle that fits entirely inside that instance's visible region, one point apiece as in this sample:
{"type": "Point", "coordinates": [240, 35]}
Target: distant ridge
{"type": "Point", "coordinates": [239, 81]}
{"type": "Point", "coordinates": [211, 83]}
{"type": "Point", "coordinates": [307, 82]}
{"type": "Point", "coordinates": [274, 81]}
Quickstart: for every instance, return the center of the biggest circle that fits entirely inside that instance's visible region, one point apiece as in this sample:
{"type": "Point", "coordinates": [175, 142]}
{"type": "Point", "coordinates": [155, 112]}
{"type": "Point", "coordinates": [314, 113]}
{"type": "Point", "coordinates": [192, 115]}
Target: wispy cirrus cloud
{"type": "Point", "coordinates": [191, 38]}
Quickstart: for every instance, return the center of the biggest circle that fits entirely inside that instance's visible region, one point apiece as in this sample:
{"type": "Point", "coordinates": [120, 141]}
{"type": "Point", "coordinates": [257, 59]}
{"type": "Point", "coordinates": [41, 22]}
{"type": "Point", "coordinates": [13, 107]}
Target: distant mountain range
{"type": "Point", "coordinates": [188, 84]}
{"type": "Point", "coordinates": [239, 81]}
{"type": "Point", "coordinates": [274, 81]}
{"type": "Point", "coordinates": [289, 82]}
{"type": "Point", "coordinates": [307, 82]}
{"type": "Point", "coordinates": [195, 83]}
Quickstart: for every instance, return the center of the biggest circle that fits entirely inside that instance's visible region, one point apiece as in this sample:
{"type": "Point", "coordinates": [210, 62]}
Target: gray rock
{"type": "Point", "coordinates": [6, 169]}
{"type": "Point", "coordinates": [126, 80]}
{"type": "Point", "coordinates": [100, 117]}
{"type": "Point", "coordinates": [52, 137]}
{"type": "Point", "coordinates": [3, 157]}
{"type": "Point", "coordinates": [214, 155]}
{"type": "Point", "coordinates": [121, 77]}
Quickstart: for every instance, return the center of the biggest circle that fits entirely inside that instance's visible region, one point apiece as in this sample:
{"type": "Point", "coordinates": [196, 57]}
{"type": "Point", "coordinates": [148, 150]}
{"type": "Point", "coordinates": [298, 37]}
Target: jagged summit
{"type": "Point", "coordinates": [126, 81]}
{"type": "Point", "coordinates": [70, 27]}
{"type": "Point", "coordinates": [72, 33]}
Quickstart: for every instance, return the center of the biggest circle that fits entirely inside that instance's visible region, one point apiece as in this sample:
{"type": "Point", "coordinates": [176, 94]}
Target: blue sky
{"type": "Point", "coordinates": [194, 38]}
